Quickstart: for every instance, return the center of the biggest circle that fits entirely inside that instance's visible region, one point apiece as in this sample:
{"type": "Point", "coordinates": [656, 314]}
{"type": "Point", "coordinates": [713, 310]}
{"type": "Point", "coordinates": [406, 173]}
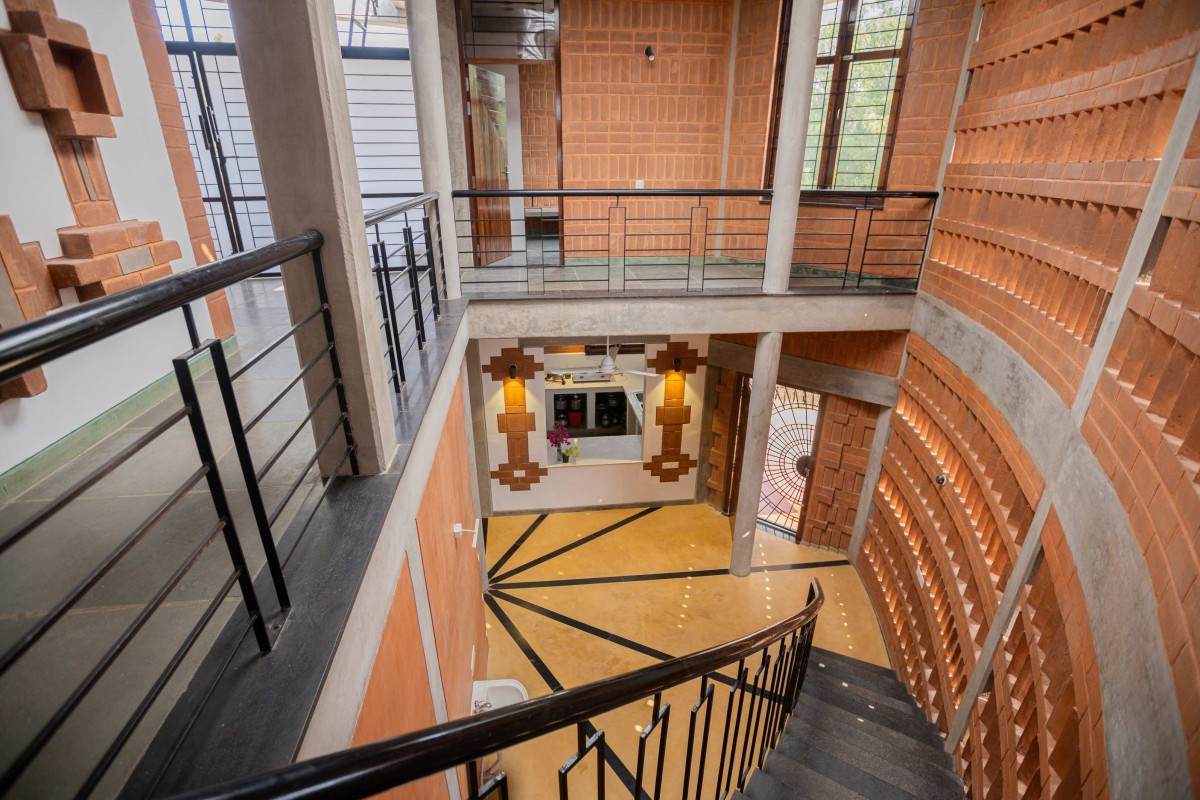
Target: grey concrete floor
{"type": "Point", "coordinates": [38, 572]}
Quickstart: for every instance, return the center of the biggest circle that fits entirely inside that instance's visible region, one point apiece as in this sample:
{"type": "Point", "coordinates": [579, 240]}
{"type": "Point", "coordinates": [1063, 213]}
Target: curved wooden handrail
{"type": "Point", "coordinates": [378, 766]}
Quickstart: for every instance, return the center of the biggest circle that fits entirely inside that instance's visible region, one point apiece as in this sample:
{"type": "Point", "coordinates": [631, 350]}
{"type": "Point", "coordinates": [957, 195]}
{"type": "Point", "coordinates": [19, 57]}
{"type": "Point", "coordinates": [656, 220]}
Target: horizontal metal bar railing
{"type": "Point", "coordinates": [30, 345]}
{"type": "Point", "coordinates": [373, 768]}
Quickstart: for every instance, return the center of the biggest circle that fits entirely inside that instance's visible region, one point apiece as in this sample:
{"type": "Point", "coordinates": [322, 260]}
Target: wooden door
{"type": "Point", "coordinates": [491, 229]}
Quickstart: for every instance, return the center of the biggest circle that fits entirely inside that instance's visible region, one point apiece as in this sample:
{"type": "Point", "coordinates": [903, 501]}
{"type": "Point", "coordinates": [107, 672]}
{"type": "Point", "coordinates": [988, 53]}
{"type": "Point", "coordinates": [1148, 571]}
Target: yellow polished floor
{"type": "Point", "coordinates": [576, 597]}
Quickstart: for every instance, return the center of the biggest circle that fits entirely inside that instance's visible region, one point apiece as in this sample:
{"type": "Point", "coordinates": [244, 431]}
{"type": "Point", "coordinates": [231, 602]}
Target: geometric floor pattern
{"type": "Point", "coordinates": [576, 597]}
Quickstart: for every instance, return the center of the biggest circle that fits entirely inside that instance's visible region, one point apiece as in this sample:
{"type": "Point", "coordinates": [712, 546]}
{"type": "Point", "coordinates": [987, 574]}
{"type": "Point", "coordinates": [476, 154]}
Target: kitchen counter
{"type": "Point", "coordinates": [597, 450]}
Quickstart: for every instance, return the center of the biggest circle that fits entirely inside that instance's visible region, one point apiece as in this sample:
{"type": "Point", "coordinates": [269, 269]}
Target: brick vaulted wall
{"type": "Point", "coordinates": [1057, 142]}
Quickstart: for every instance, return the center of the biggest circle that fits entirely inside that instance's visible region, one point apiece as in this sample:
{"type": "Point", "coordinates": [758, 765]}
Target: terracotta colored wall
{"type": "Point", "coordinates": [539, 130]}
{"type": "Point", "coordinates": [870, 351]}
{"type": "Point", "coordinates": [452, 565]}
{"type": "Point", "coordinates": [398, 699]}
{"type": "Point", "coordinates": [939, 37]}
{"type": "Point", "coordinates": [626, 119]}
{"type": "Point", "coordinates": [843, 446]}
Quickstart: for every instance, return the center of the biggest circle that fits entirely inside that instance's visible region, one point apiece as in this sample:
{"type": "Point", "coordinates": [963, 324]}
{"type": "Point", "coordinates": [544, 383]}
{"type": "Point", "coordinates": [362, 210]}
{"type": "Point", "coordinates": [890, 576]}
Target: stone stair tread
{"type": "Point", "coordinates": [930, 764]}
{"type": "Point", "coordinates": [854, 663]}
{"type": "Point", "coordinates": [878, 762]}
{"type": "Point", "coordinates": [840, 771]}
{"type": "Point", "coordinates": [913, 727]}
{"type": "Point", "coordinates": [872, 697]}
{"type": "Point", "coordinates": [888, 685]}
{"type": "Point", "coordinates": [883, 686]}
{"type": "Point", "coordinates": [819, 712]}
{"type": "Point", "coordinates": [804, 778]}
{"type": "Point", "coordinates": [839, 661]}
{"type": "Point", "coordinates": [762, 786]}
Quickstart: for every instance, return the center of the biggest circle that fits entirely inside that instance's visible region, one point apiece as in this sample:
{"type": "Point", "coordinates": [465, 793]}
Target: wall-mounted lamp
{"type": "Point", "coordinates": [940, 480]}
{"type": "Point", "coordinates": [649, 51]}
{"type": "Point", "coordinates": [676, 364]}
{"type": "Point", "coordinates": [512, 371]}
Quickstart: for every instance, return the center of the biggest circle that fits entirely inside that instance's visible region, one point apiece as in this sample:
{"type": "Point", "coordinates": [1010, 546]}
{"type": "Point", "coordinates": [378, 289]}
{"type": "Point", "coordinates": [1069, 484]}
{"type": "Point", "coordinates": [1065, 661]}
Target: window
{"type": "Point", "coordinates": [861, 57]}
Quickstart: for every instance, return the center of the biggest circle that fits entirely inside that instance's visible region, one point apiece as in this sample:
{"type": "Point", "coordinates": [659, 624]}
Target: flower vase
{"type": "Point", "coordinates": [563, 456]}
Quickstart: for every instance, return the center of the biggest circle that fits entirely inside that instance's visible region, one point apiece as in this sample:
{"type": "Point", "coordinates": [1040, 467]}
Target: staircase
{"type": "Point", "coordinates": [855, 733]}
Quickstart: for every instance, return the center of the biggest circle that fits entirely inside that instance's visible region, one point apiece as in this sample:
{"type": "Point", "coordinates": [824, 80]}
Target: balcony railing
{"type": "Point", "coordinates": [678, 241]}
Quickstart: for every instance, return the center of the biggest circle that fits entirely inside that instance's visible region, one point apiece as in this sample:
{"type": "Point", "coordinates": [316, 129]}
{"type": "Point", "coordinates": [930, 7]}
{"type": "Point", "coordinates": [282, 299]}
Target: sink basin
{"type": "Point", "coordinates": [490, 695]}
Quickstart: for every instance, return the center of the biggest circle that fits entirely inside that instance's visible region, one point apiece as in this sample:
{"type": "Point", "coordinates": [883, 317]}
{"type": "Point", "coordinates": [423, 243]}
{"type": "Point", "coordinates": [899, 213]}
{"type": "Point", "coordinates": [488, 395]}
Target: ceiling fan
{"type": "Point", "coordinates": [606, 370]}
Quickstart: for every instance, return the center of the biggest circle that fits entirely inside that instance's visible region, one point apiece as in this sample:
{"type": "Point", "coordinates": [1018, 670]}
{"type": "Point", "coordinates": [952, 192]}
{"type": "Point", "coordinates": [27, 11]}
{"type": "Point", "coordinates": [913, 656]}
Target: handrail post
{"type": "Point", "coordinates": [414, 283]}
{"type": "Point", "coordinates": [432, 269]}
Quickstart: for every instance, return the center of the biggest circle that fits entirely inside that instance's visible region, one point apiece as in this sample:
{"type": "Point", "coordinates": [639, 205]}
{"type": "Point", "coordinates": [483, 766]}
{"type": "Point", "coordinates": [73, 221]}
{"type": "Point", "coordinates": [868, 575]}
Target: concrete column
{"type": "Point", "coordinates": [296, 93]}
{"type": "Point", "coordinates": [454, 88]}
{"type": "Point", "coordinates": [432, 131]}
{"type": "Point", "coordinates": [754, 450]}
{"type": "Point", "coordinates": [793, 131]}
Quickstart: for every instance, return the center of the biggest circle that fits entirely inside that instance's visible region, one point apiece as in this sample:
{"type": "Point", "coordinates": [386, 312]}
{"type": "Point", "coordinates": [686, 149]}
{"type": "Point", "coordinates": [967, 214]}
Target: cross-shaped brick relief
{"type": "Point", "coordinates": [676, 361]}
{"type": "Point", "coordinates": [55, 72]}
{"type": "Point", "coordinates": [512, 367]}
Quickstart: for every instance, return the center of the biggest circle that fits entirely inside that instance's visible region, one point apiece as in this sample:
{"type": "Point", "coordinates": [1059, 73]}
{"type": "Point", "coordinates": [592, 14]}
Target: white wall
{"type": "Point", "coordinates": [591, 486]}
{"type": "Point", "coordinates": [87, 383]}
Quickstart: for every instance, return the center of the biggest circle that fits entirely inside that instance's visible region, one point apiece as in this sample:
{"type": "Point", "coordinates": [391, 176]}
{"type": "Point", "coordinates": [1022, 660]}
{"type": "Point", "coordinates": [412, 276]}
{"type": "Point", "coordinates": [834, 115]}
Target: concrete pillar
{"type": "Point", "coordinates": [754, 450]}
{"type": "Point", "coordinates": [296, 93]}
{"type": "Point", "coordinates": [793, 132]}
{"type": "Point", "coordinates": [432, 131]}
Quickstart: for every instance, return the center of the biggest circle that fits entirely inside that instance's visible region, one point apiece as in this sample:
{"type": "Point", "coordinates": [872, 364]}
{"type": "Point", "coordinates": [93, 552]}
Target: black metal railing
{"type": "Point", "coordinates": [410, 276]}
{"type": "Point", "coordinates": [36, 343]}
{"type": "Point", "coordinates": [686, 240]}
{"type": "Point", "coordinates": [721, 751]}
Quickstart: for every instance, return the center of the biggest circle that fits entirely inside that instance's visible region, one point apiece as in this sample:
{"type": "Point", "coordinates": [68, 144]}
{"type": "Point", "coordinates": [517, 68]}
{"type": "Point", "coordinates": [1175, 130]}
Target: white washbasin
{"type": "Point", "coordinates": [490, 695]}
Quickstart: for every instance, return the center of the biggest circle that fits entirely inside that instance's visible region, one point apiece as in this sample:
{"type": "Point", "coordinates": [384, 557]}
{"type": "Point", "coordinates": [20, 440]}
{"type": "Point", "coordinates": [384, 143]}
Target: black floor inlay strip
{"type": "Point", "coordinates": [600, 633]}
{"type": "Point", "coordinates": [583, 626]}
{"type": "Point", "coordinates": [664, 576]}
{"type": "Point", "coordinates": [515, 546]}
{"type": "Point", "coordinates": [578, 543]}
{"type": "Point", "coordinates": [611, 758]}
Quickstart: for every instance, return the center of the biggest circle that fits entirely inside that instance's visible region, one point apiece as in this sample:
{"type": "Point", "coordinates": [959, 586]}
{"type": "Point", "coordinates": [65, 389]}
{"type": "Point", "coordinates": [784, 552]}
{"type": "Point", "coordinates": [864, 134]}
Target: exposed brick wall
{"type": "Point", "coordinates": [627, 119]}
{"type": "Point", "coordinates": [1040, 733]}
{"type": "Point", "coordinates": [939, 37]}
{"type": "Point", "coordinates": [870, 351]}
{"type": "Point", "coordinates": [843, 446]}
{"type": "Point", "coordinates": [1144, 427]}
{"type": "Point", "coordinates": [961, 538]}
{"type": "Point", "coordinates": [539, 130]}
{"type": "Point", "coordinates": [1057, 142]}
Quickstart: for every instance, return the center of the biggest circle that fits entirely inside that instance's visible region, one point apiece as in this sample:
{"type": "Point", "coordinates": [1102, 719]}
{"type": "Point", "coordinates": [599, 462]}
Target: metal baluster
{"type": "Point", "coordinates": [191, 400]}
{"type": "Point", "coordinates": [434, 292]}
{"type": "Point", "coordinates": [744, 673]}
{"type": "Point", "coordinates": [391, 311]}
{"type": "Point", "coordinates": [414, 284]}
{"type": "Point", "coordinates": [706, 694]}
{"type": "Point", "coordinates": [755, 716]}
{"type": "Point", "coordinates": [246, 461]}
{"type": "Point", "coordinates": [725, 736]}
{"type": "Point", "coordinates": [189, 319]}
{"type": "Point", "coordinates": [334, 366]}
{"type": "Point", "coordinates": [472, 768]}
{"type": "Point", "coordinates": [380, 279]}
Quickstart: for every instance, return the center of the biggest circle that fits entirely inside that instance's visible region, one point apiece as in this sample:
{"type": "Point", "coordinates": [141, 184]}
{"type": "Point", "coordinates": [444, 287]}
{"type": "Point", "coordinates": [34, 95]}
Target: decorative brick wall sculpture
{"type": "Point", "coordinates": [55, 72]}
{"type": "Point", "coordinates": [513, 367]}
{"type": "Point", "coordinates": [25, 293]}
{"type": "Point", "coordinates": [676, 362]}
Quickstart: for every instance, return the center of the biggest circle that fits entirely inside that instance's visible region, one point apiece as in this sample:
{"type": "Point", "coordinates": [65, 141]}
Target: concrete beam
{"type": "Point", "coordinates": [296, 93]}
{"type": "Point", "coordinates": [812, 375]}
{"type": "Point", "coordinates": [632, 315]}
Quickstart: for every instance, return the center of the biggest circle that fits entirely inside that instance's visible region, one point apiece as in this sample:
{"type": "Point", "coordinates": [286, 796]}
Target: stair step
{"type": "Point", "coordinates": [919, 729]}
{"type": "Point", "coordinates": [829, 656]}
{"type": "Point", "coordinates": [883, 684]}
{"type": "Point", "coordinates": [837, 769]}
{"type": "Point", "coordinates": [930, 764]}
{"type": "Point", "coordinates": [807, 780]}
{"type": "Point", "coordinates": [829, 716]}
{"type": "Point", "coordinates": [905, 706]}
{"type": "Point", "coordinates": [877, 762]}
{"type": "Point", "coordinates": [762, 786]}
